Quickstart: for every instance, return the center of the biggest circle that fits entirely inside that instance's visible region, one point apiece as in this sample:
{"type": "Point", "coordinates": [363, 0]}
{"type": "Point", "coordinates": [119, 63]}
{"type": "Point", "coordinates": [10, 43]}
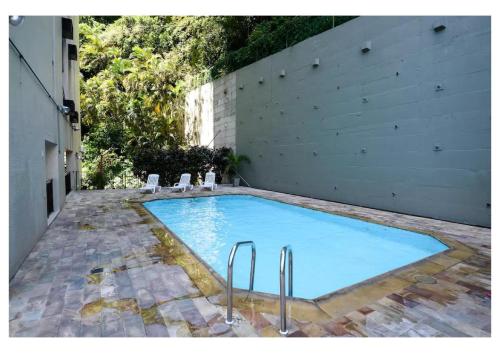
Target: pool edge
{"type": "Point", "coordinates": [326, 306]}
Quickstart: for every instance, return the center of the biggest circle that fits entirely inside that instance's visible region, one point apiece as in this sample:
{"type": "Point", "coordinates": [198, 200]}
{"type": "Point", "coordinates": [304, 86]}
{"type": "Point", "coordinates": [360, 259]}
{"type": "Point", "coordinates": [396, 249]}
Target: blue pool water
{"type": "Point", "coordinates": [330, 252]}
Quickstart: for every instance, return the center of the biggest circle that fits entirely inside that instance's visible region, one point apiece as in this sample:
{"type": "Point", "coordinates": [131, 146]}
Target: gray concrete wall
{"type": "Point", "coordinates": [225, 111]}
{"type": "Point", "coordinates": [38, 134]}
{"type": "Point", "coordinates": [210, 114]}
{"type": "Point", "coordinates": [404, 127]}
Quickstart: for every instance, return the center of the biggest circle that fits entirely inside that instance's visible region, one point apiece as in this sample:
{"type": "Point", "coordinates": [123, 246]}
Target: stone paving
{"type": "Point", "coordinates": [99, 270]}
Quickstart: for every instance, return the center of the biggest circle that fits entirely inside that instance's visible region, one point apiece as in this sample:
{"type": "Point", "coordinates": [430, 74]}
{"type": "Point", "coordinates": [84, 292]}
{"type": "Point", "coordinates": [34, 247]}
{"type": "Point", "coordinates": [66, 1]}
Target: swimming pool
{"type": "Point", "coordinates": [330, 252]}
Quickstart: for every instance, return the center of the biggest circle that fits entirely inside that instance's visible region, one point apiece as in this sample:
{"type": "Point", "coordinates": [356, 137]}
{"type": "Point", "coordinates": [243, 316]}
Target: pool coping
{"type": "Point", "coordinates": [330, 305]}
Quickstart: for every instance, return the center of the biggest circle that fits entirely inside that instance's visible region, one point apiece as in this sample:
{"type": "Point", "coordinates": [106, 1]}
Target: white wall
{"type": "Point", "coordinates": [33, 122]}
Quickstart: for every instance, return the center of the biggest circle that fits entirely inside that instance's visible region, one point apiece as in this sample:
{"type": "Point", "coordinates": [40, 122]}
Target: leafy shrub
{"type": "Point", "coordinates": [233, 163]}
{"type": "Point", "coordinates": [171, 162]}
{"type": "Point", "coordinates": [99, 171]}
{"type": "Point", "coordinates": [220, 162]}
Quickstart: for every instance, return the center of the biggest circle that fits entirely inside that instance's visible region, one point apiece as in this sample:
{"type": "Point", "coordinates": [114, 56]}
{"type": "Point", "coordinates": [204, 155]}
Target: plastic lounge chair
{"type": "Point", "coordinates": [184, 183]}
{"type": "Point", "coordinates": [209, 182]}
{"type": "Point", "coordinates": [151, 184]}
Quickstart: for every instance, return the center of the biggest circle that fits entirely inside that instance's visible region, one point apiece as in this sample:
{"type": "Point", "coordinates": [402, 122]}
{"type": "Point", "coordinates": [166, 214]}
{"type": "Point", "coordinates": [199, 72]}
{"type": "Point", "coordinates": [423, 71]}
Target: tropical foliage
{"type": "Point", "coordinates": [136, 70]}
{"type": "Point", "coordinates": [234, 161]}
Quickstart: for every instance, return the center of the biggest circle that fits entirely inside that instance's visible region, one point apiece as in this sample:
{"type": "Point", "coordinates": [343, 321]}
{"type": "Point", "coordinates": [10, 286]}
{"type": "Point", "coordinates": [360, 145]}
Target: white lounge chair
{"type": "Point", "coordinates": [151, 184]}
{"type": "Point", "coordinates": [183, 184]}
{"type": "Point", "coordinates": [209, 182]}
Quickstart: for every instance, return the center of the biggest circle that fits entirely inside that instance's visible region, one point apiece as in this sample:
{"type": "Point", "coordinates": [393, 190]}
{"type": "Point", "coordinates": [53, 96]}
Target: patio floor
{"type": "Point", "coordinates": [97, 272]}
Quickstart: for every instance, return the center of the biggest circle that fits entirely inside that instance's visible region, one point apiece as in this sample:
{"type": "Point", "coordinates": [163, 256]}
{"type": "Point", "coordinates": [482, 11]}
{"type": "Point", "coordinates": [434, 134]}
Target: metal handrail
{"type": "Point", "coordinates": [229, 287]}
{"type": "Point", "coordinates": [284, 251]}
{"type": "Point", "coordinates": [218, 132]}
{"type": "Point", "coordinates": [246, 182]}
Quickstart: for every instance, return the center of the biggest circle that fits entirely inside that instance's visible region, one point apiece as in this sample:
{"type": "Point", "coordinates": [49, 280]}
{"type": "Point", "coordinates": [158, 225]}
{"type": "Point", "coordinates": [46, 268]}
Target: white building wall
{"type": "Point", "coordinates": [35, 123]}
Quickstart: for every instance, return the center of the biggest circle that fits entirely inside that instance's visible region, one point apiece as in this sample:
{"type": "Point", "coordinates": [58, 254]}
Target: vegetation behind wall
{"type": "Point", "coordinates": [135, 71]}
{"type": "Point", "coordinates": [272, 35]}
{"type": "Point", "coordinates": [171, 162]}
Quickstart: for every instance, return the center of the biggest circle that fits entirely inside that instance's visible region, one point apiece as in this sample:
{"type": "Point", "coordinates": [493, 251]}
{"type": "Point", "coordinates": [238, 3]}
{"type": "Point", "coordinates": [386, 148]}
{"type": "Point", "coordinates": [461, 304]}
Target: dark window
{"type": "Point", "coordinates": [67, 28]}
{"type": "Point", "coordinates": [68, 182]}
{"type": "Point", "coordinates": [73, 117]}
{"type": "Point", "coordinates": [50, 197]}
{"type": "Point", "coordinates": [72, 52]}
{"type": "Point", "coordinates": [70, 104]}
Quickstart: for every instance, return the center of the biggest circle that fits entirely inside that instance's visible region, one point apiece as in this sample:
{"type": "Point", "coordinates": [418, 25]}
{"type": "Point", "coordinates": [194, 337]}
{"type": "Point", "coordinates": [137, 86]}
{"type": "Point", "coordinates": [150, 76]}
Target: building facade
{"type": "Point", "coordinates": [392, 113]}
{"type": "Point", "coordinates": [44, 126]}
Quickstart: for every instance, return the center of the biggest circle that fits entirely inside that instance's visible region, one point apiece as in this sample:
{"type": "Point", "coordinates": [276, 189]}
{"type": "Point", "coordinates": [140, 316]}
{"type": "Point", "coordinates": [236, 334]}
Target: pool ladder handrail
{"type": "Point", "coordinates": [229, 286]}
{"type": "Point", "coordinates": [283, 255]}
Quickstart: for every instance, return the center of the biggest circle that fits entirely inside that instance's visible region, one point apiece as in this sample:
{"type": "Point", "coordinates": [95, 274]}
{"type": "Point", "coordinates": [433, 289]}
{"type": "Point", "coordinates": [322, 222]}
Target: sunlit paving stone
{"type": "Point", "coordinates": [101, 270]}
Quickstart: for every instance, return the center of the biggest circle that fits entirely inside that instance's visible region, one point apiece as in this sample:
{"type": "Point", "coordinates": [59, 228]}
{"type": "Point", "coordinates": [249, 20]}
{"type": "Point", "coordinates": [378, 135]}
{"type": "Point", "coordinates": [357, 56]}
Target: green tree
{"type": "Point", "coordinates": [136, 70]}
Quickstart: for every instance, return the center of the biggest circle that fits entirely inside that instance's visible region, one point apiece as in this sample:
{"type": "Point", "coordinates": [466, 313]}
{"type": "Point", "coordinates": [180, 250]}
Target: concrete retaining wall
{"type": "Point", "coordinates": [403, 127]}
{"type": "Point", "coordinates": [211, 114]}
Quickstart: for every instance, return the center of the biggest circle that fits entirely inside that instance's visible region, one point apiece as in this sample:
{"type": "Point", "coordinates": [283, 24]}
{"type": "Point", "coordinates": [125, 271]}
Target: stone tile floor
{"type": "Point", "coordinates": [93, 273]}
